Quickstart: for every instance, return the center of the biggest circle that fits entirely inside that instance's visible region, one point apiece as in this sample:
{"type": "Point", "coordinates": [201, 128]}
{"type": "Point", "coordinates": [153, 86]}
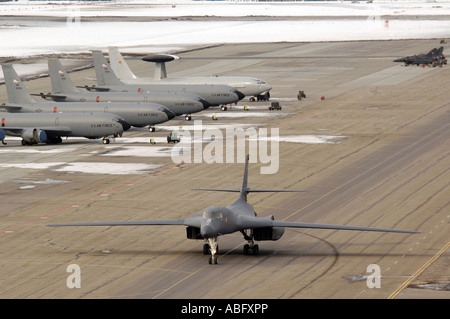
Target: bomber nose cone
{"type": "Point", "coordinates": [207, 231]}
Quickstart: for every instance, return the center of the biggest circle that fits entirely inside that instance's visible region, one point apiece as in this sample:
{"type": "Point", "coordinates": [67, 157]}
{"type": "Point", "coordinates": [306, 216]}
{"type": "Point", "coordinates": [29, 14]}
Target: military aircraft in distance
{"type": "Point", "coordinates": [433, 58]}
{"type": "Point", "coordinates": [107, 80]}
{"type": "Point", "coordinates": [137, 114]}
{"type": "Point", "coordinates": [237, 217]}
{"type": "Point", "coordinates": [35, 128]}
{"type": "Point", "coordinates": [64, 90]}
{"type": "Point", "coordinates": [249, 86]}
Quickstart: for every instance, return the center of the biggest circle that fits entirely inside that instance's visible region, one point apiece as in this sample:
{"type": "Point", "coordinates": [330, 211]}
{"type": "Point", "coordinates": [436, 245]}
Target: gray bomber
{"type": "Point", "coordinates": [107, 80]}
{"type": "Point", "coordinates": [237, 217]}
{"type": "Point", "coordinates": [134, 113]}
{"type": "Point", "coordinates": [64, 90]}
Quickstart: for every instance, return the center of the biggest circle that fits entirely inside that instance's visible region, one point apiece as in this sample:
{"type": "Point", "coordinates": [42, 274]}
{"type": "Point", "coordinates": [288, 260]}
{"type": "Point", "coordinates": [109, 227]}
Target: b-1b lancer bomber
{"type": "Point", "coordinates": [137, 114]}
{"type": "Point", "coordinates": [107, 80]}
{"type": "Point", "coordinates": [249, 86]}
{"type": "Point", "coordinates": [240, 217]}
{"type": "Point", "coordinates": [65, 90]}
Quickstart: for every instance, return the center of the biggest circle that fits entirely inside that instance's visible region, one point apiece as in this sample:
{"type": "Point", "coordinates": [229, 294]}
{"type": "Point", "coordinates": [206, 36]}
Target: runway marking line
{"type": "Point", "coordinates": [420, 271]}
{"type": "Point", "coordinates": [89, 198]}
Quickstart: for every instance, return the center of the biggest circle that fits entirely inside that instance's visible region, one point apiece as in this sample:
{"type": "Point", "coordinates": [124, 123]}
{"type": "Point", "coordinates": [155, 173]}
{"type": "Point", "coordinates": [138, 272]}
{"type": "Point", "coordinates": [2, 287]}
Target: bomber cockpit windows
{"type": "Point", "coordinates": [212, 215]}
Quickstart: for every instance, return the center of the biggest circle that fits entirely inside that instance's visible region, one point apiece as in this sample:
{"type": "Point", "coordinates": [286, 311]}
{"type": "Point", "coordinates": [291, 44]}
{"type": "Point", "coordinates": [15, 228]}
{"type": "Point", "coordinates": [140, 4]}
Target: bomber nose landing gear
{"type": "Point", "coordinates": [213, 248]}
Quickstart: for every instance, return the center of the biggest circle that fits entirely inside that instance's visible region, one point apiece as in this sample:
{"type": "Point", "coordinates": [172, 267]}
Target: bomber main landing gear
{"type": "Point", "coordinates": [251, 248]}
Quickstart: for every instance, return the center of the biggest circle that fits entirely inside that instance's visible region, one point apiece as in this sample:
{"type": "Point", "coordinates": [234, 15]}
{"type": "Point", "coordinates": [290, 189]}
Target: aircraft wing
{"type": "Point", "coordinates": [248, 222]}
{"type": "Point", "coordinates": [11, 108]}
{"type": "Point", "coordinates": [194, 221]}
{"type": "Point", "coordinates": [51, 96]}
{"type": "Point", "coordinates": [50, 131]}
{"type": "Point", "coordinates": [126, 223]}
{"type": "Point", "coordinates": [94, 88]}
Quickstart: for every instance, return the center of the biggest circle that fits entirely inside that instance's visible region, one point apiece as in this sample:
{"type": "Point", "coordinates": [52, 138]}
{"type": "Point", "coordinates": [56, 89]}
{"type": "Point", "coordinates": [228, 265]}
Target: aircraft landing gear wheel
{"type": "Point", "coordinates": [188, 117]}
{"type": "Point", "coordinates": [106, 140]}
{"type": "Point", "coordinates": [224, 108]}
{"type": "Point", "coordinates": [152, 129]}
{"type": "Point", "coordinates": [206, 249]}
{"type": "Point", "coordinates": [251, 250]}
{"type": "Point", "coordinates": [212, 260]}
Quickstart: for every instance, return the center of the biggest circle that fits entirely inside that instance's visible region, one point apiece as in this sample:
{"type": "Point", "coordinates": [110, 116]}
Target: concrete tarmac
{"type": "Point", "coordinates": [382, 161]}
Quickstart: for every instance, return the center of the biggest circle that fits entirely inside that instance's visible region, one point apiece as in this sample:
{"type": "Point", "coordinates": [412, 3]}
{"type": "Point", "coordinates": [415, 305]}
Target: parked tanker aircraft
{"type": "Point", "coordinates": [249, 86]}
{"type": "Point", "coordinates": [35, 128]}
{"type": "Point", "coordinates": [213, 94]}
{"type": "Point", "coordinates": [240, 217]}
{"type": "Point", "coordinates": [65, 90]}
{"type": "Point", "coordinates": [137, 114]}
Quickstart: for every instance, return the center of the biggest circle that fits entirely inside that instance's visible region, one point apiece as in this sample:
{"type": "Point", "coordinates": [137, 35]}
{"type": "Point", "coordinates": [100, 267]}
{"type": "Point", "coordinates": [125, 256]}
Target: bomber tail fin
{"type": "Point", "coordinates": [119, 65]}
{"type": "Point", "coordinates": [61, 82]}
{"type": "Point", "coordinates": [105, 75]}
{"type": "Point", "coordinates": [17, 92]}
{"type": "Point", "coordinates": [244, 190]}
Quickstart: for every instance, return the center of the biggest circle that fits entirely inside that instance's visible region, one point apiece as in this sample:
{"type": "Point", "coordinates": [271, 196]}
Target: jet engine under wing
{"type": "Point", "coordinates": [249, 222]}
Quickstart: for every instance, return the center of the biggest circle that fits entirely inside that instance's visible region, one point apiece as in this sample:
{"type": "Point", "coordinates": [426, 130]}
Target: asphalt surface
{"type": "Point", "coordinates": [385, 163]}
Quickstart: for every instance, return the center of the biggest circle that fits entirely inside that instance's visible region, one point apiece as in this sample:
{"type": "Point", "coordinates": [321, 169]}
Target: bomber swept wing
{"type": "Point", "coordinates": [236, 217]}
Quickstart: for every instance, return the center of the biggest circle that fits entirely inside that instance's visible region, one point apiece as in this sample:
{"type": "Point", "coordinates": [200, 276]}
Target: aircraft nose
{"type": "Point", "coordinates": [207, 231]}
{"type": "Point", "coordinates": [169, 113]}
{"type": "Point", "coordinates": [205, 103]}
{"type": "Point", "coordinates": [125, 125]}
{"type": "Point", "coordinates": [239, 94]}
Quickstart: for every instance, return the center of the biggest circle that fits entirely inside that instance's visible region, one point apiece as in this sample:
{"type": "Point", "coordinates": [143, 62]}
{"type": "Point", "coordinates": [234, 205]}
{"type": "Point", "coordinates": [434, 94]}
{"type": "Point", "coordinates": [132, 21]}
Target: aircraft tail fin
{"type": "Point", "coordinates": [432, 52]}
{"type": "Point", "coordinates": [119, 65]}
{"type": "Point", "coordinates": [244, 190]}
{"type": "Point", "coordinates": [105, 75]}
{"type": "Point", "coordinates": [61, 82]}
{"type": "Point", "coordinates": [17, 92]}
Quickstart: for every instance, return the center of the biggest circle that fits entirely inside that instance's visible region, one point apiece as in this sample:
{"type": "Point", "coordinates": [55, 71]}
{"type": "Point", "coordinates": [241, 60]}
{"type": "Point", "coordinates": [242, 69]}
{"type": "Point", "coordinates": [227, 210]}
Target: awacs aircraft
{"type": "Point", "coordinates": [213, 94]}
{"type": "Point", "coordinates": [135, 113]}
{"type": "Point", "coordinates": [237, 217]}
{"type": "Point", "coordinates": [35, 128]}
{"type": "Point", "coordinates": [247, 85]}
{"type": "Point", "coordinates": [433, 58]}
{"type": "Point", "coordinates": [64, 90]}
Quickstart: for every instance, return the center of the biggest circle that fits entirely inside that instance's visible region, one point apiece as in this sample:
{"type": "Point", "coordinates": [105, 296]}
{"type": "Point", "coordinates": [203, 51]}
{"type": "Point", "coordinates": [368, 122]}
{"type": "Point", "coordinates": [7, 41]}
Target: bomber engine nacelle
{"type": "Point", "coordinates": [193, 233]}
{"type": "Point", "coordinates": [268, 233]}
{"type": "Point", "coordinates": [34, 136]}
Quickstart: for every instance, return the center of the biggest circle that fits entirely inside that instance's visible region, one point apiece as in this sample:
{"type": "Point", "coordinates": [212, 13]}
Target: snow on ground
{"type": "Point", "coordinates": [27, 34]}
{"type": "Point", "coordinates": [71, 34]}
